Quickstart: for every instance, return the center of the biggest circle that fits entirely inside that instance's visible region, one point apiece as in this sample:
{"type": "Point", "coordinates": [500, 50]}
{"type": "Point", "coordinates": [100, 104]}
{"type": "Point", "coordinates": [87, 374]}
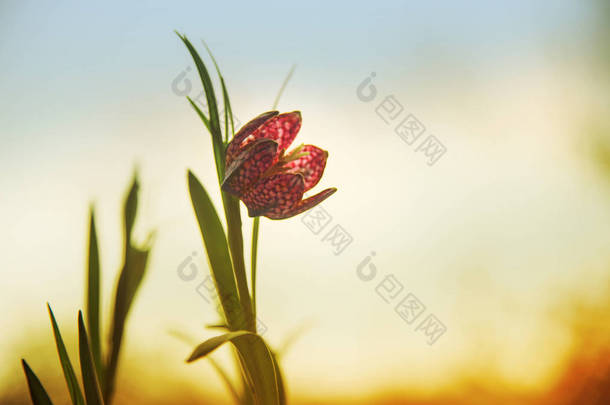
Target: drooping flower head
{"type": "Point", "coordinates": [270, 181]}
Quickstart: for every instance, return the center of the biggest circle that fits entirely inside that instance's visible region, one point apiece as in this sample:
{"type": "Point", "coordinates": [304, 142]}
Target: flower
{"type": "Point", "coordinates": [268, 180]}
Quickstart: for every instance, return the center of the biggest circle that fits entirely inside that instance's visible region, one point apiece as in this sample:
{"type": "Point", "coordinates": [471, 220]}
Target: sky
{"type": "Point", "coordinates": [487, 238]}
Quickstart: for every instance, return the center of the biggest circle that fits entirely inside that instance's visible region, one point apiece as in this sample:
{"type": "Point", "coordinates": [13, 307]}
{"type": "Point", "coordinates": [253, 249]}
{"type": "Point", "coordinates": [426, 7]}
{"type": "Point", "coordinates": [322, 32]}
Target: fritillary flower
{"type": "Point", "coordinates": [270, 181]}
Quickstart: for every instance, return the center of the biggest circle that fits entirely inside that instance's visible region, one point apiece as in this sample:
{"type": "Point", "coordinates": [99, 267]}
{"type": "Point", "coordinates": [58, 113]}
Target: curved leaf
{"type": "Point", "coordinates": [214, 343]}
{"type": "Point", "coordinates": [206, 120]}
{"type": "Point", "coordinates": [257, 361]}
{"type": "Point", "coordinates": [214, 126]}
{"type": "Point", "coordinates": [134, 268]}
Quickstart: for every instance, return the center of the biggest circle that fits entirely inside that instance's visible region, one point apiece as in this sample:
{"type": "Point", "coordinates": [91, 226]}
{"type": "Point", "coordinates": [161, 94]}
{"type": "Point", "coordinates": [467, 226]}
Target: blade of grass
{"type": "Point", "coordinates": [206, 120]}
{"type": "Point", "coordinates": [257, 359]}
{"type": "Point", "coordinates": [214, 126]}
{"type": "Point", "coordinates": [93, 394]}
{"type": "Point", "coordinates": [217, 251]}
{"type": "Point", "coordinates": [69, 375]}
{"type": "Point", "coordinates": [93, 296]}
{"type": "Point", "coordinates": [214, 343]}
{"type": "Point", "coordinates": [225, 97]}
{"type": "Point", "coordinates": [37, 392]}
{"type": "Point", "coordinates": [131, 276]}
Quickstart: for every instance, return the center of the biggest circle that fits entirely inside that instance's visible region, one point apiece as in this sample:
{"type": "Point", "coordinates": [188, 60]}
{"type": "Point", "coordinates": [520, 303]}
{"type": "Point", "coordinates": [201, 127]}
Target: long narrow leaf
{"type": "Point", "coordinates": [130, 278]}
{"type": "Point", "coordinates": [225, 97]}
{"type": "Point", "coordinates": [93, 394]}
{"type": "Point", "coordinates": [219, 369]}
{"type": "Point", "coordinates": [212, 108]}
{"type": "Point", "coordinates": [69, 375]}
{"type": "Point", "coordinates": [130, 209]}
{"type": "Point", "coordinates": [257, 359]}
{"type": "Point", "coordinates": [218, 254]}
{"type": "Point", "coordinates": [93, 296]}
{"type": "Point", "coordinates": [37, 392]}
{"type": "Point", "coordinates": [206, 120]}
{"type": "Point", "coordinates": [214, 343]}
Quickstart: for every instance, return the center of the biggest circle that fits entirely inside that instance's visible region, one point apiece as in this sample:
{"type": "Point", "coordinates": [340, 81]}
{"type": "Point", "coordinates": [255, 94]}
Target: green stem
{"type": "Point", "coordinates": [255, 226]}
{"type": "Point", "coordinates": [236, 247]}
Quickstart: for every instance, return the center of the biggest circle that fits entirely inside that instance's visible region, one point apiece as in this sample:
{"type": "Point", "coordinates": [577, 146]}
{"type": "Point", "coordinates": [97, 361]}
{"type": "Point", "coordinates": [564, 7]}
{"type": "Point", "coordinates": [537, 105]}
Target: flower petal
{"type": "Point", "coordinates": [246, 169]}
{"type": "Point", "coordinates": [277, 193]}
{"type": "Point", "coordinates": [235, 146]}
{"type": "Point", "coordinates": [302, 205]}
{"type": "Point", "coordinates": [282, 128]}
{"type": "Point", "coordinates": [311, 166]}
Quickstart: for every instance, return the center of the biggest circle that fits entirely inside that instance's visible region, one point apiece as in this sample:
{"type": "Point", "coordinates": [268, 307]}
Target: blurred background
{"type": "Point", "coordinates": [499, 225]}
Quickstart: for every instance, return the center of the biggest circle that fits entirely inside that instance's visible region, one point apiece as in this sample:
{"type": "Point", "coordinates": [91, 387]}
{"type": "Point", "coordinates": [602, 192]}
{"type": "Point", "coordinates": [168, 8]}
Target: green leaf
{"type": "Point", "coordinates": [73, 387]}
{"type": "Point", "coordinates": [219, 369]}
{"type": "Point", "coordinates": [257, 361]}
{"type": "Point", "coordinates": [217, 250]}
{"type": "Point", "coordinates": [225, 96]}
{"type": "Point", "coordinates": [130, 278]}
{"type": "Point", "coordinates": [206, 120]}
{"type": "Point", "coordinates": [214, 126]}
{"type": "Point", "coordinates": [93, 394]}
{"type": "Point", "coordinates": [37, 392]}
{"type": "Point", "coordinates": [214, 343]}
{"type": "Point", "coordinates": [93, 296]}
{"type": "Point", "coordinates": [130, 209]}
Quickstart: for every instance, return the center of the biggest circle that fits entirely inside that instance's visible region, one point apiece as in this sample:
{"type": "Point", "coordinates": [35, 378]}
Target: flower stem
{"type": "Point", "coordinates": [254, 257]}
{"type": "Point", "coordinates": [236, 247]}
